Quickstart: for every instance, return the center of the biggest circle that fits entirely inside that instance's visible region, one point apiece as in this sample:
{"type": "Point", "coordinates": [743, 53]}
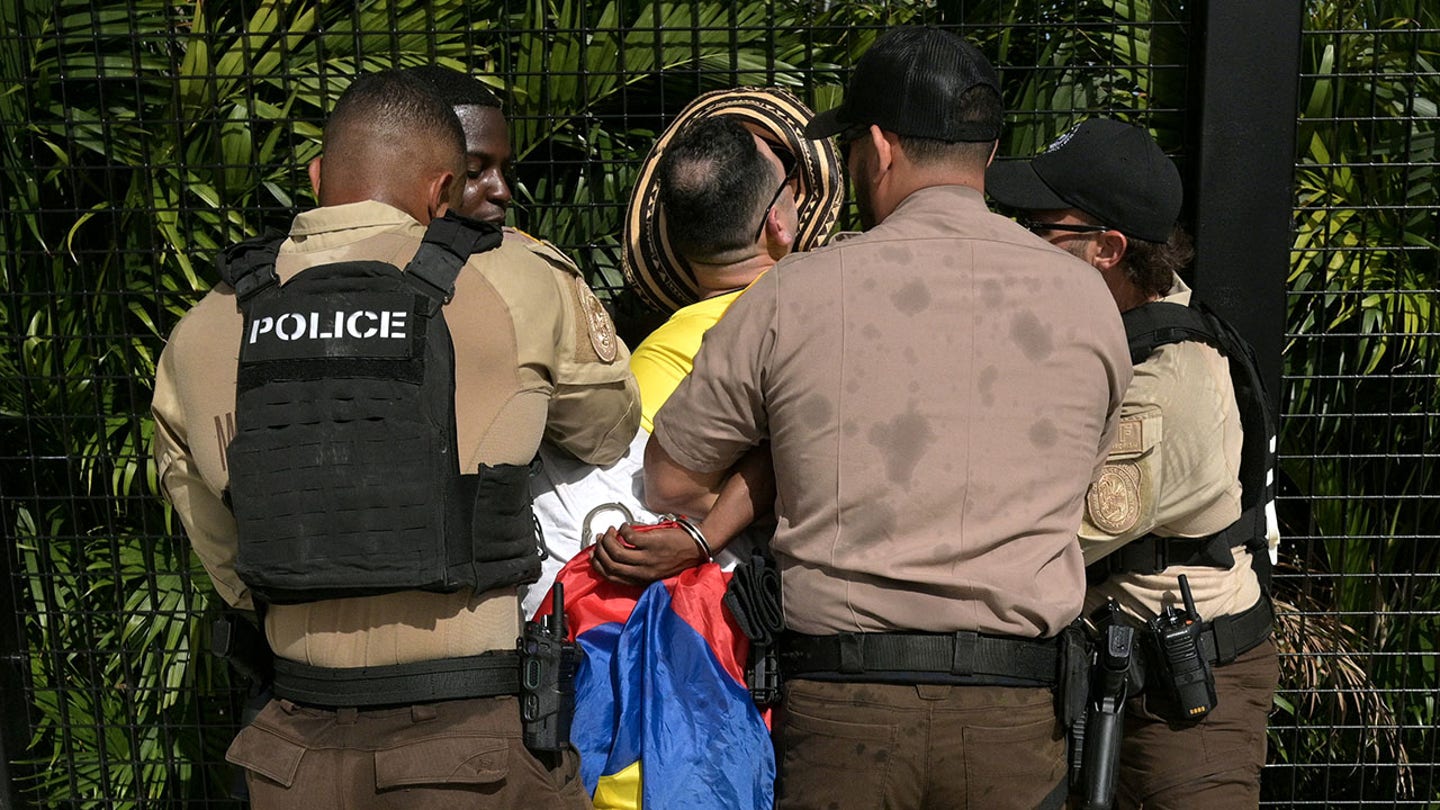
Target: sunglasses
{"type": "Point", "coordinates": [792, 168]}
{"type": "Point", "coordinates": [1038, 227]}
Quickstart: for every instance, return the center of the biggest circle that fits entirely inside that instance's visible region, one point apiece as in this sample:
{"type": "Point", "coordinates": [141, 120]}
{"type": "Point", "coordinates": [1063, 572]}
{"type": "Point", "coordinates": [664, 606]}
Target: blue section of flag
{"type": "Point", "coordinates": [596, 709]}
{"type": "Point", "coordinates": [656, 692]}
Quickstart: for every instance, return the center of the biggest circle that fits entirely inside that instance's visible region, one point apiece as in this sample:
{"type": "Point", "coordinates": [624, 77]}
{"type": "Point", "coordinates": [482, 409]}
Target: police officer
{"type": "Point", "coordinates": [387, 696]}
{"type": "Point", "coordinates": [937, 392]}
{"type": "Point", "coordinates": [1169, 500]}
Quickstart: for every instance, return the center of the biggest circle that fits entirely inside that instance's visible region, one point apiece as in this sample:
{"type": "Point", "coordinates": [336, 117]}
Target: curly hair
{"type": "Point", "coordinates": [1150, 266]}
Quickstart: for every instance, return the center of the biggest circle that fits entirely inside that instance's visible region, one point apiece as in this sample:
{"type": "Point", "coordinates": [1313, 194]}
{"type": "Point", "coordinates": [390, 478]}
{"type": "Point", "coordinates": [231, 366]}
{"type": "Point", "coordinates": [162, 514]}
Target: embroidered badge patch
{"type": "Point", "coordinates": [1114, 498]}
{"type": "Point", "coordinates": [602, 330]}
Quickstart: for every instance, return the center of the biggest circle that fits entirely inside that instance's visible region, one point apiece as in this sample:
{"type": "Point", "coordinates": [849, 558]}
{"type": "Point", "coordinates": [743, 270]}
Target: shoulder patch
{"type": "Point", "coordinates": [1113, 501]}
{"type": "Point", "coordinates": [602, 330]}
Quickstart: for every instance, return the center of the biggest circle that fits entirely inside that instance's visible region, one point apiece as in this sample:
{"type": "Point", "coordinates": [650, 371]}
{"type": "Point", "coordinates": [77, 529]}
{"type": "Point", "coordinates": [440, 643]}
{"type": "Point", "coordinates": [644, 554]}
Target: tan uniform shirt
{"type": "Point", "coordinates": [1174, 471]}
{"type": "Point", "coordinates": [535, 355]}
{"type": "Point", "coordinates": [938, 392]}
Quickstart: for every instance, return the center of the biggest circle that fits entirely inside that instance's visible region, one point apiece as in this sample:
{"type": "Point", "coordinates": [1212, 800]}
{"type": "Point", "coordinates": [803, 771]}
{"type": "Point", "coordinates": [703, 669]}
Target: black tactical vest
{"type": "Point", "coordinates": [1159, 323]}
{"type": "Point", "coordinates": [344, 470]}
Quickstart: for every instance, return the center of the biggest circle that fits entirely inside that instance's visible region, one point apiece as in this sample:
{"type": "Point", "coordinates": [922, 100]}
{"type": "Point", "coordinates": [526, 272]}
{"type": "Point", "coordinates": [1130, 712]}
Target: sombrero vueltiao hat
{"type": "Point", "coordinates": [652, 267]}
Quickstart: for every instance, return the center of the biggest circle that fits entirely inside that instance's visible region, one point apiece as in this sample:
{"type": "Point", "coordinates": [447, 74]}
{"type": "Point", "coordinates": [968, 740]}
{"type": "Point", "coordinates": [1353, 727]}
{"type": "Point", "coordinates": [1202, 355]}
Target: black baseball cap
{"type": "Point", "coordinates": [1111, 170]}
{"type": "Point", "coordinates": [908, 83]}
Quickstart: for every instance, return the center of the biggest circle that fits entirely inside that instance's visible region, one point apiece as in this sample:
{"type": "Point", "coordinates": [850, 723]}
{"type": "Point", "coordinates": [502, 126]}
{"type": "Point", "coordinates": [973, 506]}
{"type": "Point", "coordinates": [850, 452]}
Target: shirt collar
{"type": "Point", "coordinates": [1178, 293]}
{"type": "Point", "coordinates": [333, 225]}
{"type": "Point", "coordinates": [943, 197]}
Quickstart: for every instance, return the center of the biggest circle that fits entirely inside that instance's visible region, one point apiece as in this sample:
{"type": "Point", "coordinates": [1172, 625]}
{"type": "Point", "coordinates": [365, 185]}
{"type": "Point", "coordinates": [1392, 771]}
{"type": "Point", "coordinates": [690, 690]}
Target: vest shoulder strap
{"type": "Point", "coordinates": [249, 266]}
{"type": "Point", "coordinates": [449, 242]}
{"type": "Point", "coordinates": [1159, 323]}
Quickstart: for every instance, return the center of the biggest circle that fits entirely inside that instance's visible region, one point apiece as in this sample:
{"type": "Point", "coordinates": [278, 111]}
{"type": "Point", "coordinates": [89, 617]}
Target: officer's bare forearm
{"type": "Point", "coordinates": [747, 495]}
{"type": "Point", "coordinates": [672, 487]}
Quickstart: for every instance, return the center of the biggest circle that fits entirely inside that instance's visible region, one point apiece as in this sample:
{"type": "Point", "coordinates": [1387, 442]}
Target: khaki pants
{"type": "Point", "coordinates": [1210, 764]}
{"type": "Point", "coordinates": [859, 746]}
{"type": "Point", "coordinates": [452, 755]}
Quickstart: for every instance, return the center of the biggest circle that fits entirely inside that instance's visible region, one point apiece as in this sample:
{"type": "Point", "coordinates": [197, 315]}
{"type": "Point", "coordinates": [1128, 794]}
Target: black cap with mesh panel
{"type": "Point", "coordinates": [909, 83]}
{"type": "Point", "coordinates": [1111, 170]}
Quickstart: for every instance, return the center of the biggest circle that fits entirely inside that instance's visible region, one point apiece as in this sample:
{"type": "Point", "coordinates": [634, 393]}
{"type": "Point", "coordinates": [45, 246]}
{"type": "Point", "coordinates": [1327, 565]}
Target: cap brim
{"type": "Point", "coordinates": [652, 267]}
{"type": "Point", "coordinates": [826, 124]}
{"type": "Point", "coordinates": [1014, 184]}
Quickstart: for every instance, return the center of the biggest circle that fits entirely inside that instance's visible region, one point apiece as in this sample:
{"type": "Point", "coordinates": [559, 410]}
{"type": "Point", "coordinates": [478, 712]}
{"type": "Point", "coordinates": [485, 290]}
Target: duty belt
{"type": "Point", "coordinates": [965, 657]}
{"type": "Point", "coordinates": [1228, 637]}
{"type": "Point", "coordinates": [485, 675]}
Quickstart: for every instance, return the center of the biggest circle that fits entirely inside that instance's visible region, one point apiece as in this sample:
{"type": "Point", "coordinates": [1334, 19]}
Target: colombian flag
{"type": "Point", "coordinates": [662, 715]}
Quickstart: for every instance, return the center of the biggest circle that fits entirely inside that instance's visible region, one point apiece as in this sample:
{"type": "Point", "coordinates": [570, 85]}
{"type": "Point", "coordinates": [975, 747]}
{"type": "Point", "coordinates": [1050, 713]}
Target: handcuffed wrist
{"type": "Point", "coordinates": [698, 536]}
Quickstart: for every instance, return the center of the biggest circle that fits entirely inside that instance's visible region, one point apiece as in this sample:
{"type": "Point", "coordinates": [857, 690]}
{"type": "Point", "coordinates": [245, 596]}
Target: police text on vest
{"type": "Point", "coordinates": [361, 324]}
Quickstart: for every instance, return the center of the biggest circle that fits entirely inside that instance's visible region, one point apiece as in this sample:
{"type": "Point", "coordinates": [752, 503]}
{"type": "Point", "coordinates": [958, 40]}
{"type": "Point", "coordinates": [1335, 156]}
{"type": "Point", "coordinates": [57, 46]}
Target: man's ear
{"type": "Point", "coordinates": [1110, 249]}
{"type": "Point", "coordinates": [994, 148]}
{"type": "Point", "coordinates": [314, 169]}
{"type": "Point", "coordinates": [438, 194]}
{"type": "Point", "coordinates": [884, 149]}
{"type": "Point", "coordinates": [780, 236]}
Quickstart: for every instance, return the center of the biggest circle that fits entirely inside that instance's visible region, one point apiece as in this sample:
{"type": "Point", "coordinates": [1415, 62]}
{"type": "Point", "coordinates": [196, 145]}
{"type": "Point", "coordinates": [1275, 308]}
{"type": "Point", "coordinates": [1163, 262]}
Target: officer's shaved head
{"type": "Point", "coordinates": [455, 88]}
{"type": "Point", "coordinates": [390, 138]}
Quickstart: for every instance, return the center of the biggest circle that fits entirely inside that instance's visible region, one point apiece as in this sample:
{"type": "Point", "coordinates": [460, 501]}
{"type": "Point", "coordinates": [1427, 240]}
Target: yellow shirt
{"type": "Point", "coordinates": [665, 358]}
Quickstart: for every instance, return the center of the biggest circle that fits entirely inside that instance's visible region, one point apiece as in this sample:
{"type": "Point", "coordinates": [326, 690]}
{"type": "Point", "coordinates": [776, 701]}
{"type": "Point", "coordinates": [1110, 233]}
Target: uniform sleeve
{"type": "Point", "coordinates": [595, 407]}
{"type": "Point", "coordinates": [1122, 501]}
{"type": "Point", "coordinates": [208, 522]}
{"type": "Point", "coordinates": [718, 412]}
{"type": "Point", "coordinates": [1174, 466]}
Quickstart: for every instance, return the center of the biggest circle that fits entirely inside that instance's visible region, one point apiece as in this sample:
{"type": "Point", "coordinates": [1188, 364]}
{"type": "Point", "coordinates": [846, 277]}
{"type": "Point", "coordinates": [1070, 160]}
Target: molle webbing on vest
{"type": "Point", "coordinates": [344, 475]}
{"type": "Point", "coordinates": [1148, 328]}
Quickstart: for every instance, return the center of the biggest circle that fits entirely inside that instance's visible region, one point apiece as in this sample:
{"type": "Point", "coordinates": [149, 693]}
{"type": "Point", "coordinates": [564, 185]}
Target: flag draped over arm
{"type": "Point", "coordinates": [662, 715]}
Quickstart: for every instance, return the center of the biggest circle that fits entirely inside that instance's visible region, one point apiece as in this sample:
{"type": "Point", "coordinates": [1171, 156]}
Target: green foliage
{"type": "Point", "coordinates": [1121, 58]}
{"type": "Point", "coordinates": [595, 86]}
{"type": "Point", "coordinates": [1363, 367]}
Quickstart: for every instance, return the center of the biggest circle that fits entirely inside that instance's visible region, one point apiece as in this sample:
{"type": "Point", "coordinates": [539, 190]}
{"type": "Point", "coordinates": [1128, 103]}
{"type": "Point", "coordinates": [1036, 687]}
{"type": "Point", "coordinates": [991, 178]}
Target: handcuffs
{"type": "Point", "coordinates": [667, 521]}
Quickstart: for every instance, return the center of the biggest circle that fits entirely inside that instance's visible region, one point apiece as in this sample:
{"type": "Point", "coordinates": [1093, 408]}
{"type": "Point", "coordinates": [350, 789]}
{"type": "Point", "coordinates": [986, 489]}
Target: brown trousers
{"type": "Point", "coordinates": [1210, 764]}
{"type": "Point", "coordinates": [859, 746]}
{"type": "Point", "coordinates": [452, 755]}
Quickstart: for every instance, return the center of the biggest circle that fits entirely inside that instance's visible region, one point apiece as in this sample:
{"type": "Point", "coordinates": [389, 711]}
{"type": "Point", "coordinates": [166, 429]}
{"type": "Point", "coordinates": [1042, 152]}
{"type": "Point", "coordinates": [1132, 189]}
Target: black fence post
{"type": "Point", "coordinates": [1243, 173]}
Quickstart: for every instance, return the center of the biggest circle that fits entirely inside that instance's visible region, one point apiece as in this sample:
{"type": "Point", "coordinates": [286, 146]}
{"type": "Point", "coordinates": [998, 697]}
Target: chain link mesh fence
{"type": "Point", "coordinates": [1356, 716]}
{"type": "Point", "coordinates": [141, 135]}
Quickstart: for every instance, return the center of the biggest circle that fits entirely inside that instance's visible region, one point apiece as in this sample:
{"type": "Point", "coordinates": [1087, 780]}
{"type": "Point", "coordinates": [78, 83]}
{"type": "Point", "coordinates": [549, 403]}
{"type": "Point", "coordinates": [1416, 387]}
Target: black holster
{"type": "Point", "coordinates": [1105, 723]}
{"type": "Point", "coordinates": [548, 663]}
{"type": "Point", "coordinates": [242, 643]}
{"type": "Point", "coordinates": [753, 599]}
{"type": "Point", "coordinates": [1072, 694]}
